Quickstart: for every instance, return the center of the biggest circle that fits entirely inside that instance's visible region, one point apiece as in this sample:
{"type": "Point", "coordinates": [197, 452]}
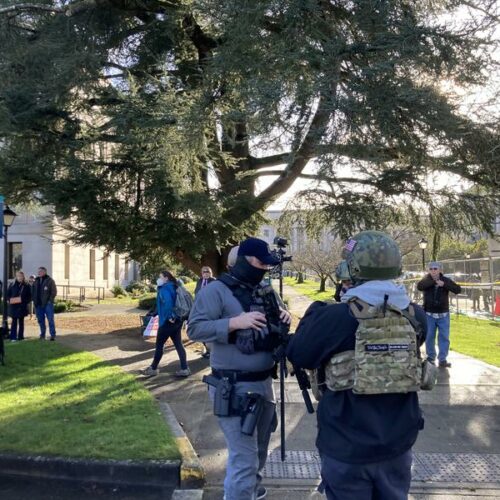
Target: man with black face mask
{"type": "Point", "coordinates": [229, 315]}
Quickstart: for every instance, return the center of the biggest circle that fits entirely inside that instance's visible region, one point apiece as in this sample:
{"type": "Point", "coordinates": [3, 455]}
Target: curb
{"type": "Point", "coordinates": [192, 474]}
{"type": "Point", "coordinates": [157, 474]}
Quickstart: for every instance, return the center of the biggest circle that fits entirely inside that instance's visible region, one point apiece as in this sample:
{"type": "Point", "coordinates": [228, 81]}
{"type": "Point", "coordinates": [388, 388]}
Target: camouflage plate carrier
{"type": "Point", "coordinates": [385, 359]}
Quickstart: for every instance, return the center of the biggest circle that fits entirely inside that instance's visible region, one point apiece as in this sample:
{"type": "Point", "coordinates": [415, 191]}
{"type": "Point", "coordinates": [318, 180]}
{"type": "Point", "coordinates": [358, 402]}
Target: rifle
{"type": "Point", "coordinates": [281, 330]}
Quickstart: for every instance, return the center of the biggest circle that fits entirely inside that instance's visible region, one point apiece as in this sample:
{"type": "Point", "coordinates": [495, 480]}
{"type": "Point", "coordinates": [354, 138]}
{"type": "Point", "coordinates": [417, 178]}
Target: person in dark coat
{"type": "Point", "coordinates": [18, 298]}
{"type": "Point", "coordinates": [206, 279]}
{"type": "Point", "coordinates": [436, 289]}
{"type": "Point", "coordinates": [44, 294]}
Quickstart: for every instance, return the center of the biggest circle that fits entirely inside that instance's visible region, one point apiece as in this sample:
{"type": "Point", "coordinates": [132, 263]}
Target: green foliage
{"type": "Point", "coordinates": [118, 290]}
{"type": "Point", "coordinates": [146, 125]}
{"type": "Point", "coordinates": [61, 306]}
{"type": "Point", "coordinates": [456, 249]}
{"type": "Point", "coordinates": [477, 338]}
{"type": "Point", "coordinates": [138, 288]}
{"type": "Point", "coordinates": [101, 412]}
{"type": "Point", "coordinates": [185, 279]}
{"type": "Point", "coordinates": [148, 301]}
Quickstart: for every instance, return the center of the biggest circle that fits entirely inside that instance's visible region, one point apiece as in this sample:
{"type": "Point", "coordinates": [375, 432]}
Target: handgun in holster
{"type": "Point", "coordinates": [223, 395]}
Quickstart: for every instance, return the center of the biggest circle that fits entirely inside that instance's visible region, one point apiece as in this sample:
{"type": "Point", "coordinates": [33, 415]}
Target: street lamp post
{"type": "Point", "coordinates": [8, 219]}
{"type": "Point", "coordinates": [423, 245]}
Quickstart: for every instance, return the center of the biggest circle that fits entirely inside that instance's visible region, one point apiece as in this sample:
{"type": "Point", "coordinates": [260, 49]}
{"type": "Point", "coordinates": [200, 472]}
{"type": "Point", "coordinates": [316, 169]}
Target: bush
{"type": "Point", "coordinates": [60, 307]}
{"type": "Point", "coordinates": [137, 288]}
{"type": "Point", "coordinates": [118, 290]}
{"type": "Point", "coordinates": [148, 301]}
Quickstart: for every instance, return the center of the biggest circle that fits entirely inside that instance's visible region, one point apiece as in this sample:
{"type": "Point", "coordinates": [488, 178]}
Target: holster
{"type": "Point", "coordinates": [248, 406]}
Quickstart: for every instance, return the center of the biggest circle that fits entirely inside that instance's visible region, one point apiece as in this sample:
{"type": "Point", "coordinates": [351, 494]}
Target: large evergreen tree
{"type": "Point", "coordinates": [147, 124]}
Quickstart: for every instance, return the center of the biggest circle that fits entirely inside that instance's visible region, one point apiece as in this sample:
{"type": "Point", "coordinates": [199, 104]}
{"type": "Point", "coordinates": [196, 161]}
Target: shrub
{"type": "Point", "coordinates": [118, 290]}
{"type": "Point", "coordinates": [137, 288]}
{"type": "Point", "coordinates": [60, 306]}
{"type": "Point", "coordinates": [148, 301]}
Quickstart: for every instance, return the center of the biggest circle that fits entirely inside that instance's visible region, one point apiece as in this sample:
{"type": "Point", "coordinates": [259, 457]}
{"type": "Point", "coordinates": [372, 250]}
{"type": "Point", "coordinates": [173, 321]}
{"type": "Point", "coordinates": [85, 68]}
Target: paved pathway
{"type": "Point", "coordinates": [457, 455]}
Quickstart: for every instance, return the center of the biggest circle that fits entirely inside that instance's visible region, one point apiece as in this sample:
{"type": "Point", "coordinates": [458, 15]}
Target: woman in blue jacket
{"type": "Point", "coordinates": [169, 326]}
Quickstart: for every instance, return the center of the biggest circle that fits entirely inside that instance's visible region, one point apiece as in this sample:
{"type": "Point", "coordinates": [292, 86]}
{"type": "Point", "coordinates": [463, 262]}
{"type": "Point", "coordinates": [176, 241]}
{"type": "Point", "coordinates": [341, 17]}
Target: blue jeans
{"type": "Point", "coordinates": [442, 325]}
{"type": "Point", "coordinates": [43, 312]}
{"type": "Point", "coordinates": [386, 480]}
{"type": "Point", "coordinates": [174, 332]}
{"type": "Point", "coordinates": [246, 454]}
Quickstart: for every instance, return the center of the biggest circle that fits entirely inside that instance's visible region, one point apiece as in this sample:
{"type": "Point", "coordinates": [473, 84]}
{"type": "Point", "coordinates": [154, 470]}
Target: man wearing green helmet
{"type": "Point", "coordinates": [343, 280]}
{"type": "Point", "coordinates": [367, 348]}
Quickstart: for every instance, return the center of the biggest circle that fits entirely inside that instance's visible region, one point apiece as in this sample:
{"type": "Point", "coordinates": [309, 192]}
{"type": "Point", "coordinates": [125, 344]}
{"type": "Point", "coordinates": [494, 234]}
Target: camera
{"type": "Point", "coordinates": [280, 242]}
{"type": "Point", "coordinates": [280, 252]}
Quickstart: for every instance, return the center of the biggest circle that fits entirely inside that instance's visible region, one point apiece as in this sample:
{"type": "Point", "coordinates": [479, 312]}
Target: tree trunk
{"type": "Point", "coordinates": [300, 278]}
{"type": "Point", "coordinates": [322, 284]}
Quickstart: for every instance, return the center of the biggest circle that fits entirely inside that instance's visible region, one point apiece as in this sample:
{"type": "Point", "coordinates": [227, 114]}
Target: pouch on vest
{"type": "Point", "coordinates": [386, 356]}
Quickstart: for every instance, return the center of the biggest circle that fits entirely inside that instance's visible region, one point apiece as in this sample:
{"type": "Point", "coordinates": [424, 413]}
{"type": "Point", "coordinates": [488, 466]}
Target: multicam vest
{"type": "Point", "coordinates": [385, 359]}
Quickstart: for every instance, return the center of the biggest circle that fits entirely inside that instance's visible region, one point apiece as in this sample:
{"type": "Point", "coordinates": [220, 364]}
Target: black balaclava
{"type": "Point", "coordinates": [244, 271]}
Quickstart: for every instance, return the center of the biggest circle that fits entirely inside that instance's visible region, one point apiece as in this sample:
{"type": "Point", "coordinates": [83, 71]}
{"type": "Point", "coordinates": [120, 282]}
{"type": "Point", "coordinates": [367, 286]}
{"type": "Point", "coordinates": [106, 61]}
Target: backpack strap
{"type": "Point", "coordinates": [360, 309]}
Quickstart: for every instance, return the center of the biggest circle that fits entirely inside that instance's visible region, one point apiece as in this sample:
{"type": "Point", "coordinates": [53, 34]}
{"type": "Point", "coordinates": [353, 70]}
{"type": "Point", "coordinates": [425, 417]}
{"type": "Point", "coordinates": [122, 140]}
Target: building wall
{"type": "Point", "coordinates": [41, 246]}
{"type": "Point", "coordinates": [36, 243]}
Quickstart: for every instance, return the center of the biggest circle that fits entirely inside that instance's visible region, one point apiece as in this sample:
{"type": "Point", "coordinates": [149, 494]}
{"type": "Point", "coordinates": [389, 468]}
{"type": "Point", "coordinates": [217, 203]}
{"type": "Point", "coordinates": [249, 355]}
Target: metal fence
{"type": "Point", "coordinates": [81, 293]}
{"type": "Point", "coordinates": [478, 278]}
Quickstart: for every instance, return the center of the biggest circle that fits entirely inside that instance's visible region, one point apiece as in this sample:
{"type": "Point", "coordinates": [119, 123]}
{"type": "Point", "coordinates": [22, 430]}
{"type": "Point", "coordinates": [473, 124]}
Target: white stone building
{"type": "Point", "coordinates": [33, 243]}
{"type": "Point", "coordinates": [297, 237]}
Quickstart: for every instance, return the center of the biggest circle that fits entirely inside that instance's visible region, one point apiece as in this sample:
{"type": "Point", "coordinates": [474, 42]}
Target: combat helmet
{"type": "Point", "coordinates": [372, 255]}
{"type": "Point", "coordinates": [342, 271]}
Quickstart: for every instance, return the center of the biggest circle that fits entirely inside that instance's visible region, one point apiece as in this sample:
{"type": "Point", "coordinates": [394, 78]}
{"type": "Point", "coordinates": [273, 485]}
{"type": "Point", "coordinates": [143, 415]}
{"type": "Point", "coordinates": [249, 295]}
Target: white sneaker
{"type": "Point", "coordinates": [150, 372]}
{"type": "Point", "coordinates": [183, 373]}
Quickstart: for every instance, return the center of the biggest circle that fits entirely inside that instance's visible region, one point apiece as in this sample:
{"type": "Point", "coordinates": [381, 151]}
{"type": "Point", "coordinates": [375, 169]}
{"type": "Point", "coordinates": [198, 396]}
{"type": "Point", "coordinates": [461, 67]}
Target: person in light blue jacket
{"type": "Point", "coordinates": [170, 326]}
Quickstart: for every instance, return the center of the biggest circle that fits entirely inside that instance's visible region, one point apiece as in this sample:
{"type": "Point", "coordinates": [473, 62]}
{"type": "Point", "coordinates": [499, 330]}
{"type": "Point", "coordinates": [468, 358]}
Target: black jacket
{"type": "Point", "coordinates": [353, 428]}
{"type": "Point", "coordinates": [199, 283]}
{"type": "Point", "coordinates": [44, 291]}
{"type": "Point", "coordinates": [436, 298]}
{"type": "Point", "coordinates": [22, 290]}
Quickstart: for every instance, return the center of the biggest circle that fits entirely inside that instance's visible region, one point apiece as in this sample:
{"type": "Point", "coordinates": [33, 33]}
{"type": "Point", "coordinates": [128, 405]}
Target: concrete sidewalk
{"type": "Point", "coordinates": [457, 454]}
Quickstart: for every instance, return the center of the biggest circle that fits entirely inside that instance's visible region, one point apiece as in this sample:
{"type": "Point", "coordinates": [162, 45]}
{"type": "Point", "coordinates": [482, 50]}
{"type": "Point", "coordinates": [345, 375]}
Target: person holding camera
{"type": "Point", "coordinates": [229, 315]}
{"type": "Point", "coordinates": [436, 289]}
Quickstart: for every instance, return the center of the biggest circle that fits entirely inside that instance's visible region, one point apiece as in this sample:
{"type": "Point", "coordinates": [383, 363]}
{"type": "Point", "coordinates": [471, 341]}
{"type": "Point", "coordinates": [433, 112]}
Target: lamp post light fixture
{"type": "Point", "coordinates": [8, 219]}
{"type": "Point", "coordinates": [423, 245]}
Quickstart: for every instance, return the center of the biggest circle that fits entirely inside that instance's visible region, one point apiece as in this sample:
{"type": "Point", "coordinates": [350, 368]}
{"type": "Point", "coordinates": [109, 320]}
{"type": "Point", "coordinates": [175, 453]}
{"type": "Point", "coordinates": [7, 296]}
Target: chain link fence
{"type": "Point", "coordinates": [479, 279]}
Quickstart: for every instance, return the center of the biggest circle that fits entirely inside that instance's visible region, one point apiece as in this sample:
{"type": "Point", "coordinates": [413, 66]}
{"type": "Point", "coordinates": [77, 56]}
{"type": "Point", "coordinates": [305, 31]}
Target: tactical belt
{"type": "Point", "coordinates": [239, 376]}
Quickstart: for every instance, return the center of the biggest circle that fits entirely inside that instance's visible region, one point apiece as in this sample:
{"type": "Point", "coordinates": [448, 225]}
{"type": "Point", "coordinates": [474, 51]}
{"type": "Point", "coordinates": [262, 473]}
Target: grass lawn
{"type": "Point", "coordinates": [478, 338]}
{"type": "Point", "coordinates": [56, 401]}
{"type": "Point", "coordinates": [310, 289]}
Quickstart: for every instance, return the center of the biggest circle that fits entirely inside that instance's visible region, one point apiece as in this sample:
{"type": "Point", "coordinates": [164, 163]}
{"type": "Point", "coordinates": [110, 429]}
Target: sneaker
{"type": "Point", "coordinates": [183, 373]}
{"type": "Point", "coordinates": [13, 340]}
{"type": "Point", "coordinates": [52, 339]}
{"type": "Point", "coordinates": [444, 364]}
{"type": "Point", "coordinates": [261, 493]}
{"type": "Point", "coordinates": [150, 372]}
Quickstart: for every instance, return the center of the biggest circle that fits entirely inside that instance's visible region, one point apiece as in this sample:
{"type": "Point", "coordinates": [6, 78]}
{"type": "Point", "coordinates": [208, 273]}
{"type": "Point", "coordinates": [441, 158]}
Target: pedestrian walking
{"type": "Point", "coordinates": [368, 415]}
{"type": "Point", "coordinates": [436, 289]}
{"type": "Point", "coordinates": [228, 314]}
{"type": "Point", "coordinates": [18, 298]}
{"type": "Point", "coordinates": [44, 294]}
{"type": "Point", "coordinates": [169, 325]}
{"type": "Point", "coordinates": [205, 279]}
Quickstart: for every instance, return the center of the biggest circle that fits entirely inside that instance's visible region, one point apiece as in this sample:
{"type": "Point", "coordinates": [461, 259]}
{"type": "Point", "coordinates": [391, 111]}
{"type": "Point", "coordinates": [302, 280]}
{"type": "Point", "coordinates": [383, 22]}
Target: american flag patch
{"type": "Point", "coordinates": [350, 244]}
